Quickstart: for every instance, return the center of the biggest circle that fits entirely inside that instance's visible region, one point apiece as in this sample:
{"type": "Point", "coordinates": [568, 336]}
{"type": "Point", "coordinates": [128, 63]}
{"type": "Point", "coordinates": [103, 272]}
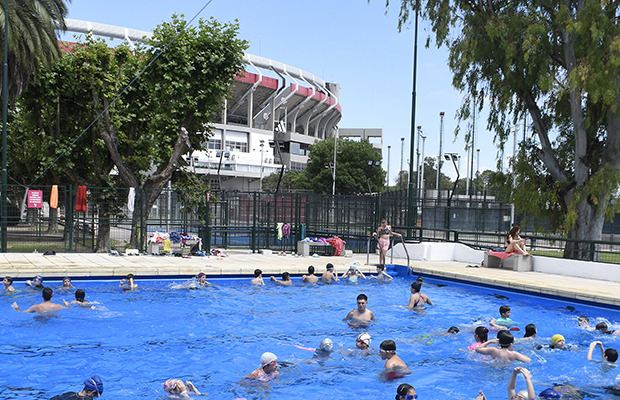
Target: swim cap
{"type": "Point", "coordinates": [200, 275]}
{"type": "Point", "coordinates": [39, 277]}
{"type": "Point", "coordinates": [94, 383]}
{"type": "Point", "coordinates": [523, 393]}
{"type": "Point", "coordinates": [549, 394]}
{"type": "Point", "coordinates": [364, 337]}
{"type": "Point", "coordinates": [267, 358]}
{"type": "Point", "coordinates": [555, 339]}
{"type": "Point", "coordinates": [327, 345]}
{"type": "Point", "coordinates": [170, 385]}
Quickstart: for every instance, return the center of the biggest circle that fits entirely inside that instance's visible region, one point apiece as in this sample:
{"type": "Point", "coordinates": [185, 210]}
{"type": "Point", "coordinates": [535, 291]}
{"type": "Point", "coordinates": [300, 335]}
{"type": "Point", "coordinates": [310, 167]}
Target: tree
{"type": "Point", "coordinates": [352, 170]}
{"type": "Point", "coordinates": [32, 39]}
{"type": "Point", "coordinates": [559, 62]}
{"type": "Point", "coordinates": [146, 132]}
{"type": "Point", "coordinates": [292, 181]}
{"type": "Point", "coordinates": [430, 176]}
{"type": "Point", "coordinates": [402, 180]}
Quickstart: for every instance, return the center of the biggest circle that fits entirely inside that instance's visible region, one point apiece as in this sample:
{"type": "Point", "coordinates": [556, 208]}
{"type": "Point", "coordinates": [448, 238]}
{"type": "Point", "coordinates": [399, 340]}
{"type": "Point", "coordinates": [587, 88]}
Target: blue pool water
{"type": "Point", "coordinates": [214, 337]}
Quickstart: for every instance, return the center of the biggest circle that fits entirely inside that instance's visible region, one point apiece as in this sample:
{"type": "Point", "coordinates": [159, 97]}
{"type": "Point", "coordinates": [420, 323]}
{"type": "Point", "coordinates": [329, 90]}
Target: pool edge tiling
{"type": "Point", "coordinates": [75, 265]}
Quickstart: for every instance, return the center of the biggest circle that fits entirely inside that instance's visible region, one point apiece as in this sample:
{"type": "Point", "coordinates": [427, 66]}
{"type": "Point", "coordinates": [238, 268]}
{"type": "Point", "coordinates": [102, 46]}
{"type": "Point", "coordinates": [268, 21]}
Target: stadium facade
{"type": "Point", "coordinates": [274, 114]}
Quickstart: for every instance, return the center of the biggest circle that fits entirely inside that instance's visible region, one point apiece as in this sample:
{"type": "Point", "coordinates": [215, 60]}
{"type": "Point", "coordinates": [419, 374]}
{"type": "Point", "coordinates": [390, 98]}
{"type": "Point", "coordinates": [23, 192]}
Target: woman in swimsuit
{"type": "Point", "coordinates": [418, 299]}
{"type": "Point", "coordinates": [384, 233]}
{"type": "Point", "coordinates": [514, 242]}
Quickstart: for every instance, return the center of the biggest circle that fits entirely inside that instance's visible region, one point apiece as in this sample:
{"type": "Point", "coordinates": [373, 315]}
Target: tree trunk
{"type": "Point", "coordinates": [52, 223]}
{"type": "Point", "coordinates": [103, 235]}
{"type": "Point", "coordinates": [588, 226]}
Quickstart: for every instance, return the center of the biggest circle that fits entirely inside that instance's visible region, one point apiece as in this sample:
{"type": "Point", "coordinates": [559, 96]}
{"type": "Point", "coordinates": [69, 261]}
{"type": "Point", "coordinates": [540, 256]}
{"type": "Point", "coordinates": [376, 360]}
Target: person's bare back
{"type": "Point", "coordinates": [329, 276]}
{"type": "Point", "coordinates": [46, 306]}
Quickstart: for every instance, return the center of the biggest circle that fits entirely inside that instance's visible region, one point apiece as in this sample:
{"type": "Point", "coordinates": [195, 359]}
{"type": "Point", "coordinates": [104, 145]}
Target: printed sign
{"type": "Point", "coordinates": [35, 198]}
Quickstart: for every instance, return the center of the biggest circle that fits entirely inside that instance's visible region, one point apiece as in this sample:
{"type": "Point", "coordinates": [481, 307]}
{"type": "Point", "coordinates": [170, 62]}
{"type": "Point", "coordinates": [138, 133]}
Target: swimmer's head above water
{"type": "Point", "coordinates": [505, 339]}
{"type": "Point", "coordinates": [363, 341]}
{"type": "Point", "coordinates": [257, 273]}
{"type": "Point", "coordinates": [406, 392]}
{"type": "Point", "coordinates": [329, 266]}
{"type": "Point", "coordinates": [327, 345]}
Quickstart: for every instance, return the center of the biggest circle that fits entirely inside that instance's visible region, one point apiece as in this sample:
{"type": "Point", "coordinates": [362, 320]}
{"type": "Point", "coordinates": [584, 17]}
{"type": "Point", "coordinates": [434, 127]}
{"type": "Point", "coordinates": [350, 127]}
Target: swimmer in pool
{"type": "Point", "coordinates": [310, 278]}
{"type": "Point", "coordinates": [602, 328]}
{"type": "Point", "coordinates": [258, 278]}
{"type": "Point", "coordinates": [481, 335]}
{"type": "Point", "coordinates": [406, 392]}
{"type": "Point", "coordinates": [584, 323]}
{"type": "Point", "coordinates": [361, 316]}
{"type": "Point", "coordinates": [268, 369]}
{"type": "Point", "coordinates": [382, 276]}
{"type": "Point", "coordinates": [353, 274]}
{"type": "Point", "coordinates": [66, 284]}
{"type": "Point", "coordinates": [201, 280]}
{"type": "Point", "coordinates": [505, 352]}
{"type": "Point", "coordinates": [80, 296]}
{"type": "Point", "coordinates": [363, 341]}
{"type": "Point", "coordinates": [329, 276]}
{"type": "Point", "coordinates": [609, 355]}
{"type": "Point", "coordinates": [504, 321]}
{"type": "Point", "coordinates": [128, 284]}
{"type": "Point", "coordinates": [526, 394]}
{"type": "Point", "coordinates": [286, 279]}
{"type": "Point", "coordinates": [180, 389]}
{"type": "Point", "coordinates": [45, 307]}
{"type": "Point", "coordinates": [530, 331]}
{"type": "Point", "coordinates": [418, 299]}
{"type": "Point", "coordinates": [93, 387]}
{"type": "Point", "coordinates": [8, 284]}
{"type": "Point", "coordinates": [394, 367]}
{"type": "Point", "coordinates": [558, 342]}
{"type": "Point", "coordinates": [326, 347]}
{"type": "Point", "coordinates": [36, 283]}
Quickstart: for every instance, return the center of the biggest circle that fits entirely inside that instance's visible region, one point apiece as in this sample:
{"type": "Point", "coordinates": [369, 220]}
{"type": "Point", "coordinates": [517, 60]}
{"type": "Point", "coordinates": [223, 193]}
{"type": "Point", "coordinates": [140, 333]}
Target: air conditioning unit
{"type": "Point", "coordinates": [232, 158]}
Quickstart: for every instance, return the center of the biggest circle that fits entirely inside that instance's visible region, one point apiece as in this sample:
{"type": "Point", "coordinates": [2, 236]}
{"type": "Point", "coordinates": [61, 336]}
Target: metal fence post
{"type": "Point", "coordinates": [255, 215]}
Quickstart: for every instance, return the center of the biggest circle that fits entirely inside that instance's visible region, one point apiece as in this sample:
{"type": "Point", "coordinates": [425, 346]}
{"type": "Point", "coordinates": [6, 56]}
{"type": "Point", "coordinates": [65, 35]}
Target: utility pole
{"type": "Point", "coordinates": [388, 168]}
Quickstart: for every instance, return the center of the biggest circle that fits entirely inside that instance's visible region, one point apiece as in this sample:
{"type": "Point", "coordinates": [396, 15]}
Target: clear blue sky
{"type": "Point", "coordinates": [351, 42]}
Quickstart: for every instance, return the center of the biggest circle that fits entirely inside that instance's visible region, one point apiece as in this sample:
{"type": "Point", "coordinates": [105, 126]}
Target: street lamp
{"type": "Point", "coordinates": [388, 168]}
{"type": "Point", "coordinates": [371, 163]}
{"type": "Point", "coordinates": [454, 157]}
{"type": "Point", "coordinates": [219, 167]}
{"type": "Point", "coordinates": [260, 186]}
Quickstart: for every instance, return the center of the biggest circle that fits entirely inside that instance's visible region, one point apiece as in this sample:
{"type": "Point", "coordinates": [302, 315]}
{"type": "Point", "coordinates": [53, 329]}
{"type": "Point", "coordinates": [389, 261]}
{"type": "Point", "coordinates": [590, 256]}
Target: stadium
{"type": "Point", "coordinates": [274, 114]}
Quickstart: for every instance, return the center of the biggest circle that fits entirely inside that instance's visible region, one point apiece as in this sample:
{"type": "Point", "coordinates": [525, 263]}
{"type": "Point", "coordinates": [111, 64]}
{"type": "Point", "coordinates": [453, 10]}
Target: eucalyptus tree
{"type": "Point", "coordinates": [558, 62]}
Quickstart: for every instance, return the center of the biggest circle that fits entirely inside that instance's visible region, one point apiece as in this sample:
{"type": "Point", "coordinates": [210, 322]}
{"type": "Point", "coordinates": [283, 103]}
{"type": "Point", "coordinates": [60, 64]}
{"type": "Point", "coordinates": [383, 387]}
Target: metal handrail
{"type": "Point", "coordinates": [406, 252]}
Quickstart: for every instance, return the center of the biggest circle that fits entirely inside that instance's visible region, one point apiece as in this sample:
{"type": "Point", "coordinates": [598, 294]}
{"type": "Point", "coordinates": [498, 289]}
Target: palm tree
{"type": "Point", "coordinates": [32, 38]}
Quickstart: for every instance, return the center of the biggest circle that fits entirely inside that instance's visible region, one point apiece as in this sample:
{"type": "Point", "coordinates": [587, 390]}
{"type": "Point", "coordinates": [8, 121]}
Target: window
{"type": "Point", "coordinates": [236, 146]}
{"type": "Point", "coordinates": [215, 144]}
{"type": "Point", "coordinates": [295, 166]}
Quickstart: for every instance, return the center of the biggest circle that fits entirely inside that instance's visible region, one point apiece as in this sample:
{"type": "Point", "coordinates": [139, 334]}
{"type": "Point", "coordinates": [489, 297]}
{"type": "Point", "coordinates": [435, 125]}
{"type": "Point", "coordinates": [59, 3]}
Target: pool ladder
{"type": "Point", "coordinates": [370, 238]}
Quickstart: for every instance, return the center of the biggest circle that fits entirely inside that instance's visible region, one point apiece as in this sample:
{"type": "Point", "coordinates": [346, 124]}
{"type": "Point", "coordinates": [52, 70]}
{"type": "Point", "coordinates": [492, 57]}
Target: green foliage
{"type": "Point", "coordinates": [352, 170]}
{"type": "Point", "coordinates": [292, 181]}
{"type": "Point", "coordinates": [559, 63]}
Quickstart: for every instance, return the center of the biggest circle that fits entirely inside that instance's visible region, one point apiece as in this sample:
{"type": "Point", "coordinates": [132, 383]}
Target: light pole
{"type": "Point", "coordinates": [5, 106]}
{"type": "Point", "coordinates": [417, 186]}
{"type": "Point", "coordinates": [262, 145]}
{"type": "Point", "coordinates": [439, 160]}
{"type": "Point", "coordinates": [454, 157]}
{"type": "Point", "coordinates": [371, 163]}
{"type": "Point", "coordinates": [477, 165]}
{"type": "Point", "coordinates": [402, 152]}
{"type": "Point", "coordinates": [388, 168]}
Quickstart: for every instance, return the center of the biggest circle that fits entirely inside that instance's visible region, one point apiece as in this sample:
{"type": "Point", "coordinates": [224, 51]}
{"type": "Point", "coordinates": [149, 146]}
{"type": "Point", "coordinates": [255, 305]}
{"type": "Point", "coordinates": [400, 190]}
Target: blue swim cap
{"type": "Point", "coordinates": [94, 383]}
{"type": "Point", "coordinates": [549, 394]}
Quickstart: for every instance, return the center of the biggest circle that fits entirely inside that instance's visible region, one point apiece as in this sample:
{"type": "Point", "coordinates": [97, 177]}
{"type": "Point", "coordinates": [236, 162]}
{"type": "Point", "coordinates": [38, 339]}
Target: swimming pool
{"type": "Point", "coordinates": [215, 336]}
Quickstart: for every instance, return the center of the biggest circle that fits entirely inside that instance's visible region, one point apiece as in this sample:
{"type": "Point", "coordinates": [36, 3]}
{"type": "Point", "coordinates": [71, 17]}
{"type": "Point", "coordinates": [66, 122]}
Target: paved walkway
{"type": "Point", "coordinates": [22, 266]}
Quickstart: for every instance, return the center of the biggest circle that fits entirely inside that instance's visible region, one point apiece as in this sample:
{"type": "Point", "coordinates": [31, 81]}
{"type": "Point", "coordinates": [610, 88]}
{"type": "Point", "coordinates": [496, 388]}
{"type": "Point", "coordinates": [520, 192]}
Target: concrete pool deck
{"type": "Point", "coordinates": [84, 265]}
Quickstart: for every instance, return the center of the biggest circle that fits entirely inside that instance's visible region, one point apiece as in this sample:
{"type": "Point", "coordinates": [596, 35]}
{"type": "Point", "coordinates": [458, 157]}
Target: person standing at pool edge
{"type": "Point", "coordinates": [384, 232]}
{"type": "Point", "coordinates": [93, 387]}
{"type": "Point", "coordinates": [46, 306]}
{"type": "Point", "coordinates": [360, 316]}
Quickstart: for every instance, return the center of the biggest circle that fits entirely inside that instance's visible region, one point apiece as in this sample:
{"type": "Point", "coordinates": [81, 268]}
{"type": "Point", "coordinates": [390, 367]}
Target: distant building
{"type": "Point", "coordinates": [268, 123]}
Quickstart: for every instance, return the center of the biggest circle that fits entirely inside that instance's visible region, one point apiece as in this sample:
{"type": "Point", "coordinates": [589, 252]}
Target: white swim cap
{"type": "Point", "coordinates": [364, 337]}
{"type": "Point", "coordinates": [267, 358]}
{"type": "Point", "coordinates": [327, 345]}
{"type": "Point", "coordinates": [524, 394]}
